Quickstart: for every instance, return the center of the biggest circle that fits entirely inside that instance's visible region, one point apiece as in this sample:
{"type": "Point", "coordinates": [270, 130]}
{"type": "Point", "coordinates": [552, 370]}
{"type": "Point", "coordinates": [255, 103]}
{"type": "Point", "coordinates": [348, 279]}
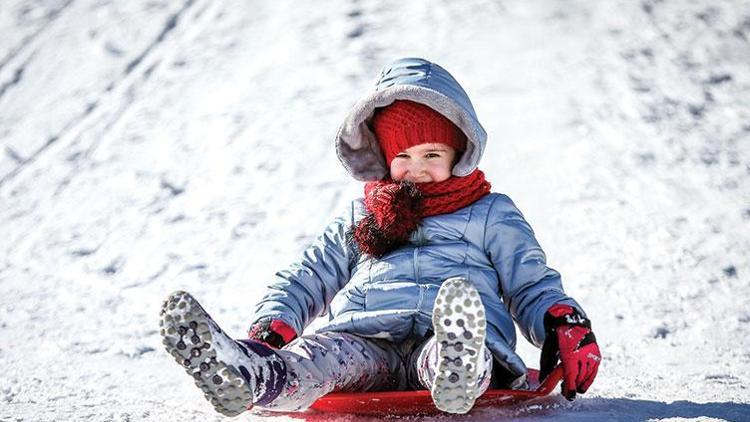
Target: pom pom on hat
{"type": "Point", "coordinates": [404, 124]}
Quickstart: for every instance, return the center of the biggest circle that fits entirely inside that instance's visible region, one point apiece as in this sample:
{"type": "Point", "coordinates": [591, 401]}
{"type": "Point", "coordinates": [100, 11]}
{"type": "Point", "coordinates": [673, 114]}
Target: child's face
{"type": "Point", "coordinates": [423, 163]}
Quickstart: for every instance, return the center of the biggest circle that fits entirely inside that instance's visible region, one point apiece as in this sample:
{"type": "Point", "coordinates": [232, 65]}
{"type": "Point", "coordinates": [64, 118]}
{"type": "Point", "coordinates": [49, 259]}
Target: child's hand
{"type": "Point", "coordinates": [570, 339]}
{"type": "Point", "coordinates": [273, 332]}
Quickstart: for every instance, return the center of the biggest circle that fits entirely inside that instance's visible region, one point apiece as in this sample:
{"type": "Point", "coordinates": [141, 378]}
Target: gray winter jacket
{"type": "Point", "coordinates": [487, 242]}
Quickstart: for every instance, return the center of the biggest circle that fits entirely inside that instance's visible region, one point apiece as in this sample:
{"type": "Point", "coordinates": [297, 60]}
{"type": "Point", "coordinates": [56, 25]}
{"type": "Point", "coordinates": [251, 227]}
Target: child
{"type": "Point", "coordinates": [422, 279]}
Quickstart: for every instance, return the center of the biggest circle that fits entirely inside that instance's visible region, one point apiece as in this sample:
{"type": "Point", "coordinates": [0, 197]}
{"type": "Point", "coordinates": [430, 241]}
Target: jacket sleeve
{"type": "Point", "coordinates": [527, 285]}
{"type": "Point", "coordinates": [303, 291]}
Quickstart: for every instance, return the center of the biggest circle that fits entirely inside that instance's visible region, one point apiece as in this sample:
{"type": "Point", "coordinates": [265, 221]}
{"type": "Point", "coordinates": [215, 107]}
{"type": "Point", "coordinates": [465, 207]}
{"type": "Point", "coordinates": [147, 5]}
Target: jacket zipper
{"type": "Point", "coordinates": [416, 266]}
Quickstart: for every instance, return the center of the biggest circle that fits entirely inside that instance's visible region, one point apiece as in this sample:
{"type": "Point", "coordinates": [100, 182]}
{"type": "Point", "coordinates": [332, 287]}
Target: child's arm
{"type": "Point", "coordinates": [302, 292]}
{"type": "Point", "coordinates": [528, 286]}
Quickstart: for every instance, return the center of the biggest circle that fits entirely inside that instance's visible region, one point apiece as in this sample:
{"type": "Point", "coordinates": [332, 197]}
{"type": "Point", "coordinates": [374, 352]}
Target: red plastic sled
{"type": "Point", "coordinates": [419, 402]}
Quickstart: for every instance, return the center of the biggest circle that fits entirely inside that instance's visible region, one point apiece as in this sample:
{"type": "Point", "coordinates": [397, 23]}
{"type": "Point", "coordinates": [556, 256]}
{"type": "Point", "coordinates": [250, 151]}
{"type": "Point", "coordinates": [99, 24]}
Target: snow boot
{"type": "Point", "coordinates": [460, 329]}
{"type": "Point", "coordinates": [233, 375]}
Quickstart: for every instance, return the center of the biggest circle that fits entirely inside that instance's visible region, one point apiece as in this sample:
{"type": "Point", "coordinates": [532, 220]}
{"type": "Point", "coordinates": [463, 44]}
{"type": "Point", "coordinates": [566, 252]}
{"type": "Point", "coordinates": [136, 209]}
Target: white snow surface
{"type": "Point", "coordinates": [148, 146]}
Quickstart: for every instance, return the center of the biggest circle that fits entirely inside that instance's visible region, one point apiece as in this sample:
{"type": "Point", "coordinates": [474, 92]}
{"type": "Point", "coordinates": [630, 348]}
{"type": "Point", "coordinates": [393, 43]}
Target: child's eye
{"type": "Point", "coordinates": [432, 155]}
{"type": "Point", "coordinates": [402, 156]}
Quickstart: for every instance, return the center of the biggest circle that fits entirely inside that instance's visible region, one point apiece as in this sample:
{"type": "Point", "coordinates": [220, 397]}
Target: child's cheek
{"type": "Point", "coordinates": [440, 171]}
{"type": "Point", "coordinates": [397, 172]}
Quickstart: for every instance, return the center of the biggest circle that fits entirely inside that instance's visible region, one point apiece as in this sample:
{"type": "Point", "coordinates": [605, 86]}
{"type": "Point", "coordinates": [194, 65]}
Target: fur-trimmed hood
{"type": "Point", "coordinates": [420, 81]}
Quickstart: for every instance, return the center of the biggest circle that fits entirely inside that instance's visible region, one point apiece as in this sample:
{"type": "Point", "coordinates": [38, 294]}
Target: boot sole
{"type": "Point", "coordinates": [191, 337]}
{"type": "Point", "coordinates": [460, 328]}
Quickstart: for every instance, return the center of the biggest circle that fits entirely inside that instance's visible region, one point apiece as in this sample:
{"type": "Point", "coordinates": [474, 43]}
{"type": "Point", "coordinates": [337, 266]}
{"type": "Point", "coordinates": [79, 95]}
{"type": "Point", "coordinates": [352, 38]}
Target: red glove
{"type": "Point", "coordinates": [273, 332]}
{"type": "Point", "coordinates": [570, 340]}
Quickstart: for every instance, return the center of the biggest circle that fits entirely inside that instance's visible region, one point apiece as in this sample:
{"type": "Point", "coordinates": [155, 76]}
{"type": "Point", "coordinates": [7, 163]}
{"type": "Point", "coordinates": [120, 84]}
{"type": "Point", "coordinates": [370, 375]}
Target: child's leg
{"type": "Point", "coordinates": [322, 363]}
{"type": "Point", "coordinates": [236, 375]}
{"type": "Point", "coordinates": [455, 365]}
{"type": "Point", "coordinates": [233, 375]}
{"type": "Point", "coordinates": [425, 362]}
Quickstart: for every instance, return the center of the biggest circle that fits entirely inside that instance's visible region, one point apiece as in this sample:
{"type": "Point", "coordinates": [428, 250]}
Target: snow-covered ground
{"type": "Point", "coordinates": [149, 146]}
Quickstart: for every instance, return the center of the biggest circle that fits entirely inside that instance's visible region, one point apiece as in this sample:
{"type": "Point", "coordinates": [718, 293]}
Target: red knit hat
{"type": "Point", "coordinates": [404, 124]}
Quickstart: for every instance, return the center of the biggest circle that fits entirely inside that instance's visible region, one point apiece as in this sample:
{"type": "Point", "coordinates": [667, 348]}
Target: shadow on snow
{"type": "Point", "coordinates": [594, 409]}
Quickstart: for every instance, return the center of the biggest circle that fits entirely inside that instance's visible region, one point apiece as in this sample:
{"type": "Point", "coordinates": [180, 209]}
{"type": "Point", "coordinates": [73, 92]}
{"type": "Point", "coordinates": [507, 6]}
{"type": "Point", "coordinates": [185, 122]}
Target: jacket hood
{"type": "Point", "coordinates": [416, 80]}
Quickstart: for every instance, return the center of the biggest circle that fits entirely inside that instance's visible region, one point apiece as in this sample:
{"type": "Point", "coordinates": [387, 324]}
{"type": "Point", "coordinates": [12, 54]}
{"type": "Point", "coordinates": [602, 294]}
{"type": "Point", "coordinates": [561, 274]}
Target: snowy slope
{"type": "Point", "coordinates": [150, 146]}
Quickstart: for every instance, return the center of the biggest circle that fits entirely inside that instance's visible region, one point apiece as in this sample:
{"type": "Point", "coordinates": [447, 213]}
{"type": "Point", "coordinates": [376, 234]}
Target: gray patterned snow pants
{"type": "Point", "coordinates": [326, 362]}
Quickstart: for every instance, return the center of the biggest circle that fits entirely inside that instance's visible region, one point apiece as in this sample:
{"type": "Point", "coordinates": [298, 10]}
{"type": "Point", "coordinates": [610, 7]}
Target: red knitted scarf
{"type": "Point", "coordinates": [395, 209]}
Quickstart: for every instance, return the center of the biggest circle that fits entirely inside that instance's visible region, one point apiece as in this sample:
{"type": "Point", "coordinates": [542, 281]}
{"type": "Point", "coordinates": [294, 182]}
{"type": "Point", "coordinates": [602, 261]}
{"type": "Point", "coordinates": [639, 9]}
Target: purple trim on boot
{"type": "Point", "coordinates": [276, 371]}
{"type": "Point", "coordinates": [256, 347]}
